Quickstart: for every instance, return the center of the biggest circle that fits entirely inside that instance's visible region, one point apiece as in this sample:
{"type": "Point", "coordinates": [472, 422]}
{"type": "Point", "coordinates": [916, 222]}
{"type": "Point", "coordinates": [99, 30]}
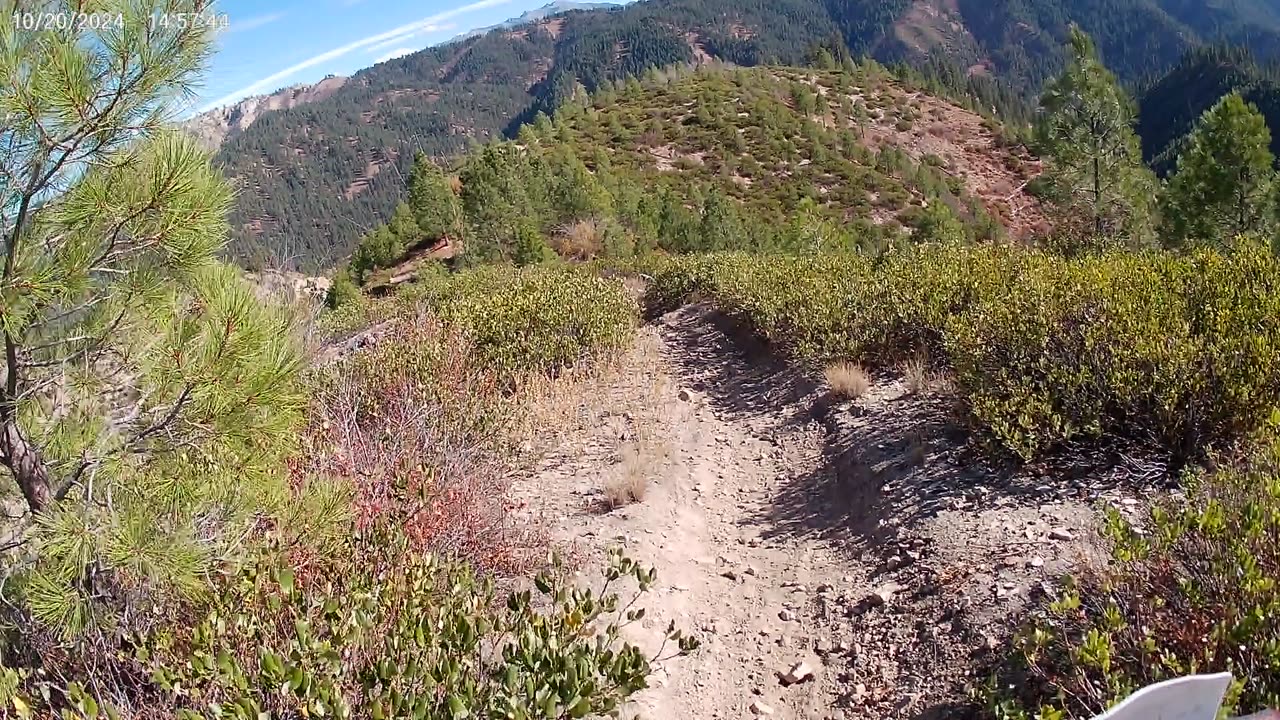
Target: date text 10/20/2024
{"type": "Point", "coordinates": [78, 22]}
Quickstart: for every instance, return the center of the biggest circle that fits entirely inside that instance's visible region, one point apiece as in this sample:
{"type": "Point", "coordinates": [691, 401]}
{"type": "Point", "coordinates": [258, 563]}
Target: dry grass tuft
{"type": "Point", "coordinates": [631, 482]}
{"type": "Point", "coordinates": [918, 377]}
{"type": "Point", "coordinates": [580, 240]}
{"type": "Point", "coordinates": [917, 449]}
{"type": "Point", "coordinates": [848, 380]}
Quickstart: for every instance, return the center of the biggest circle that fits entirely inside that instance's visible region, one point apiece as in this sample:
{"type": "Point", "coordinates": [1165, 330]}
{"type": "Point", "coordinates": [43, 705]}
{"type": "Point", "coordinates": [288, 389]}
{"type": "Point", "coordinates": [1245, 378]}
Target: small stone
{"type": "Point", "coordinates": [1060, 534]}
{"type": "Point", "coordinates": [824, 588]}
{"type": "Point", "coordinates": [749, 571]}
{"type": "Point", "coordinates": [760, 708]}
{"type": "Point", "coordinates": [730, 574]}
{"type": "Point", "coordinates": [1129, 501]}
{"type": "Point", "coordinates": [859, 690]}
{"type": "Point", "coordinates": [882, 595]}
{"type": "Point", "coordinates": [893, 563]}
{"type": "Point", "coordinates": [1035, 562]}
{"type": "Point", "coordinates": [798, 673]}
{"type": "Point", "coordinates": [786, 615]}
{"type": "Point", "coordinates": [1011, 561]}
{"type": "Point", "coordinates": [685, 395]}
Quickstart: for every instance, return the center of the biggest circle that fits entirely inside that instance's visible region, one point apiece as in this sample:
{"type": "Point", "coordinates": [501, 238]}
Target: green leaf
{"type": "Point", "coordinates": [286, 581]}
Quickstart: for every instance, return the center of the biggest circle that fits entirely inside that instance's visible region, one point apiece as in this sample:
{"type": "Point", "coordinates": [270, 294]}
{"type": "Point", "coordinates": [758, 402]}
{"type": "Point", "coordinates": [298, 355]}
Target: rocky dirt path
{"type": "Point", "coordinates": [855, 537]}
{"type": "Point", "coordinates": [716, 436]}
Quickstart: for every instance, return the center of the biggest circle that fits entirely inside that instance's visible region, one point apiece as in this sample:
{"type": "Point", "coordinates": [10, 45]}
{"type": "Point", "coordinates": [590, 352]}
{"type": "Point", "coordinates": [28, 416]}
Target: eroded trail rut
{"type": "Point", "coordinates": [717, 434]}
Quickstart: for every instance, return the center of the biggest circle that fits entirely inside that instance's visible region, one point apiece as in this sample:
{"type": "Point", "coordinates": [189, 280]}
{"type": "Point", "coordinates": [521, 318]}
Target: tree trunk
{"type": "Point", "coordinates": [25, 462]}
{"type": "Point", "coordinates": [1097, 195]}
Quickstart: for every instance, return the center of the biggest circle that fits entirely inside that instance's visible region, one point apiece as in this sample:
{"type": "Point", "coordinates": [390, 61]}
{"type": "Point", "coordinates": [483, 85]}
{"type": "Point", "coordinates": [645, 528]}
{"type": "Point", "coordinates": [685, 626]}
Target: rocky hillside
{"type": "Point", "coordinates": [314, 176]}
{"type": "Point", "coordinates": [214, 126]}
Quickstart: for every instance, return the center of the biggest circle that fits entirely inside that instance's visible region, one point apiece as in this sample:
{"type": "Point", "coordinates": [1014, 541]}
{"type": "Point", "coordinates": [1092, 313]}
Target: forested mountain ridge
{"type": "Point", "coordinates": [214, 126]}
{"type": "Point", "coordinates": [314, 177]}
{"type": "Point", "coordinates": [865, 148]}
{"type": "Point", "coordinates": [1169, 107]}
{"type": "Point", "coordinates": [721, 157]}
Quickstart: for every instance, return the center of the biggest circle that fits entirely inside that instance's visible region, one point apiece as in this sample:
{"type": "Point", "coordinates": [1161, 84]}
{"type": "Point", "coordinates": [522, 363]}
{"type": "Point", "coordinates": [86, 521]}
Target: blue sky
{"type": "Point", "coordinates": [273, 43]}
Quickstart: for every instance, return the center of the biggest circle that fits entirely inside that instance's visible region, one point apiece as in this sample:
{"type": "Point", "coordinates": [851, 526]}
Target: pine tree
{"type": "Point", "coordinates": [495, 201]}
{"type": "Point", "coordinates": [147, 393]}
{"type": "Point", "coordinates": [577, 193]}
{"type": "Point", "coordinates": [434, 206]}
{"type": "Point", "coordinates": [530, 247]}
{"type": "Point", "coordinates": [1223, 184]}
{"type": "Point", "coordinates": [939, 224]}
{"type": "Point", "coordinates": [721, 227]}
{"type": "Point", "coordinates": [377, 249]}
{"type": "Point", "coordinates": [1098, 187]}
{"type": "Point", "coordinates": [405, 229]}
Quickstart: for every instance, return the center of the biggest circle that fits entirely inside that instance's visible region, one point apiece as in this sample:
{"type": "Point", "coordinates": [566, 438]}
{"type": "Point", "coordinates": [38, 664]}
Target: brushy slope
{"type": "Point", "coordinates": [1178, 350]}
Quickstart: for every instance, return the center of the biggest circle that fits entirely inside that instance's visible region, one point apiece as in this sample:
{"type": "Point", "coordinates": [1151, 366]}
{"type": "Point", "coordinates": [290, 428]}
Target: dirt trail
{"type": "Point", "coordinates": [718, 436]}
{"type": "Point", "coordinates": [774, 514]}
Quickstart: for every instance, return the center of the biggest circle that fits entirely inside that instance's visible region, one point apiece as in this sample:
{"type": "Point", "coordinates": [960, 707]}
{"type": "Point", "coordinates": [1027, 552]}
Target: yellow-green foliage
{"type": "Point", "coordinates": [378, 632]}
{"type": "Point", "coordinates": [916, 291]}
{"type": "Point", "coordinates": [803, 304]}
{"type": "Point", "coordinates": [844, 306]}
{"type": "Point", "coordinates": [536, 319]}
{"type": "Point", "coordinates": [1178, 349]}
{"type": "Point", "coordinates": [1195, 593]}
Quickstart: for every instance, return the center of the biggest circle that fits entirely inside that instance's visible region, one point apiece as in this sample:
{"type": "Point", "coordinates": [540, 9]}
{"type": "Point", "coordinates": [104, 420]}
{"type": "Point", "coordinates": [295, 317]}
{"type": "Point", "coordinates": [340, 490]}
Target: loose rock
{"type": "Point", "coordinates": [798, 673]}
{"type": "Point", "coordinates": [760, 708]}
{"type": "Point", "coordinates": [882, 596]}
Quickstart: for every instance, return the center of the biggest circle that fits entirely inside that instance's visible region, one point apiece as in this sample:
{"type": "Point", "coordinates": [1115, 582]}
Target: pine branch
{"type": "Point", "coordinates": [164, 422]}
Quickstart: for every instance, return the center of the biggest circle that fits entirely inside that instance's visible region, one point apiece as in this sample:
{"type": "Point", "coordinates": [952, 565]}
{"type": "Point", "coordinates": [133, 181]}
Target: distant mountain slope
{"type": "Point", "coordinates": [214, 126]}
{"type": "Point", "coordinates": [542, 13]}
{"type": "Point", "coordinates": [1169, 107]}
{"type": "Point", "coordinates": [313, 177]}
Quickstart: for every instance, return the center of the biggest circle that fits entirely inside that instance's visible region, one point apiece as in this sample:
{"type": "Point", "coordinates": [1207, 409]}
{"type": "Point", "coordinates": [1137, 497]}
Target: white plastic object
{"type": "Point", "coordinates": [1195, 697]}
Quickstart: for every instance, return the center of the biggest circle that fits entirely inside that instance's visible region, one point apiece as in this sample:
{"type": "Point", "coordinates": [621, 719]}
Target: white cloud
{"type": "Point", "coordinates": [395, 54]}
{"type": "Point", "coordinates": [404, 31]}
{"type": "Point", "coordinates": [256, 21]}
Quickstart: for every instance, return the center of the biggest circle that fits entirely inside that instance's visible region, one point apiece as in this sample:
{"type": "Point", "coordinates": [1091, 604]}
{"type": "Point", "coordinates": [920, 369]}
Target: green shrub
{"type": "Point", "coordinates": [1174, 350]}
{"type": "Point", "coordinates": [1178, 350]}
{"type": "Point", "coordinates": [802, 304]}
{"type": "Point", "coordinates": [916, 291]}
{"type": "Point", "coordinates": [539, 319]}
{"type": "Point", "coordinates": [1195, 592]}
{"type": "Point", "coordinates": [393, 634]}
{"type": "Point", "coordinates": [536, 319]}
